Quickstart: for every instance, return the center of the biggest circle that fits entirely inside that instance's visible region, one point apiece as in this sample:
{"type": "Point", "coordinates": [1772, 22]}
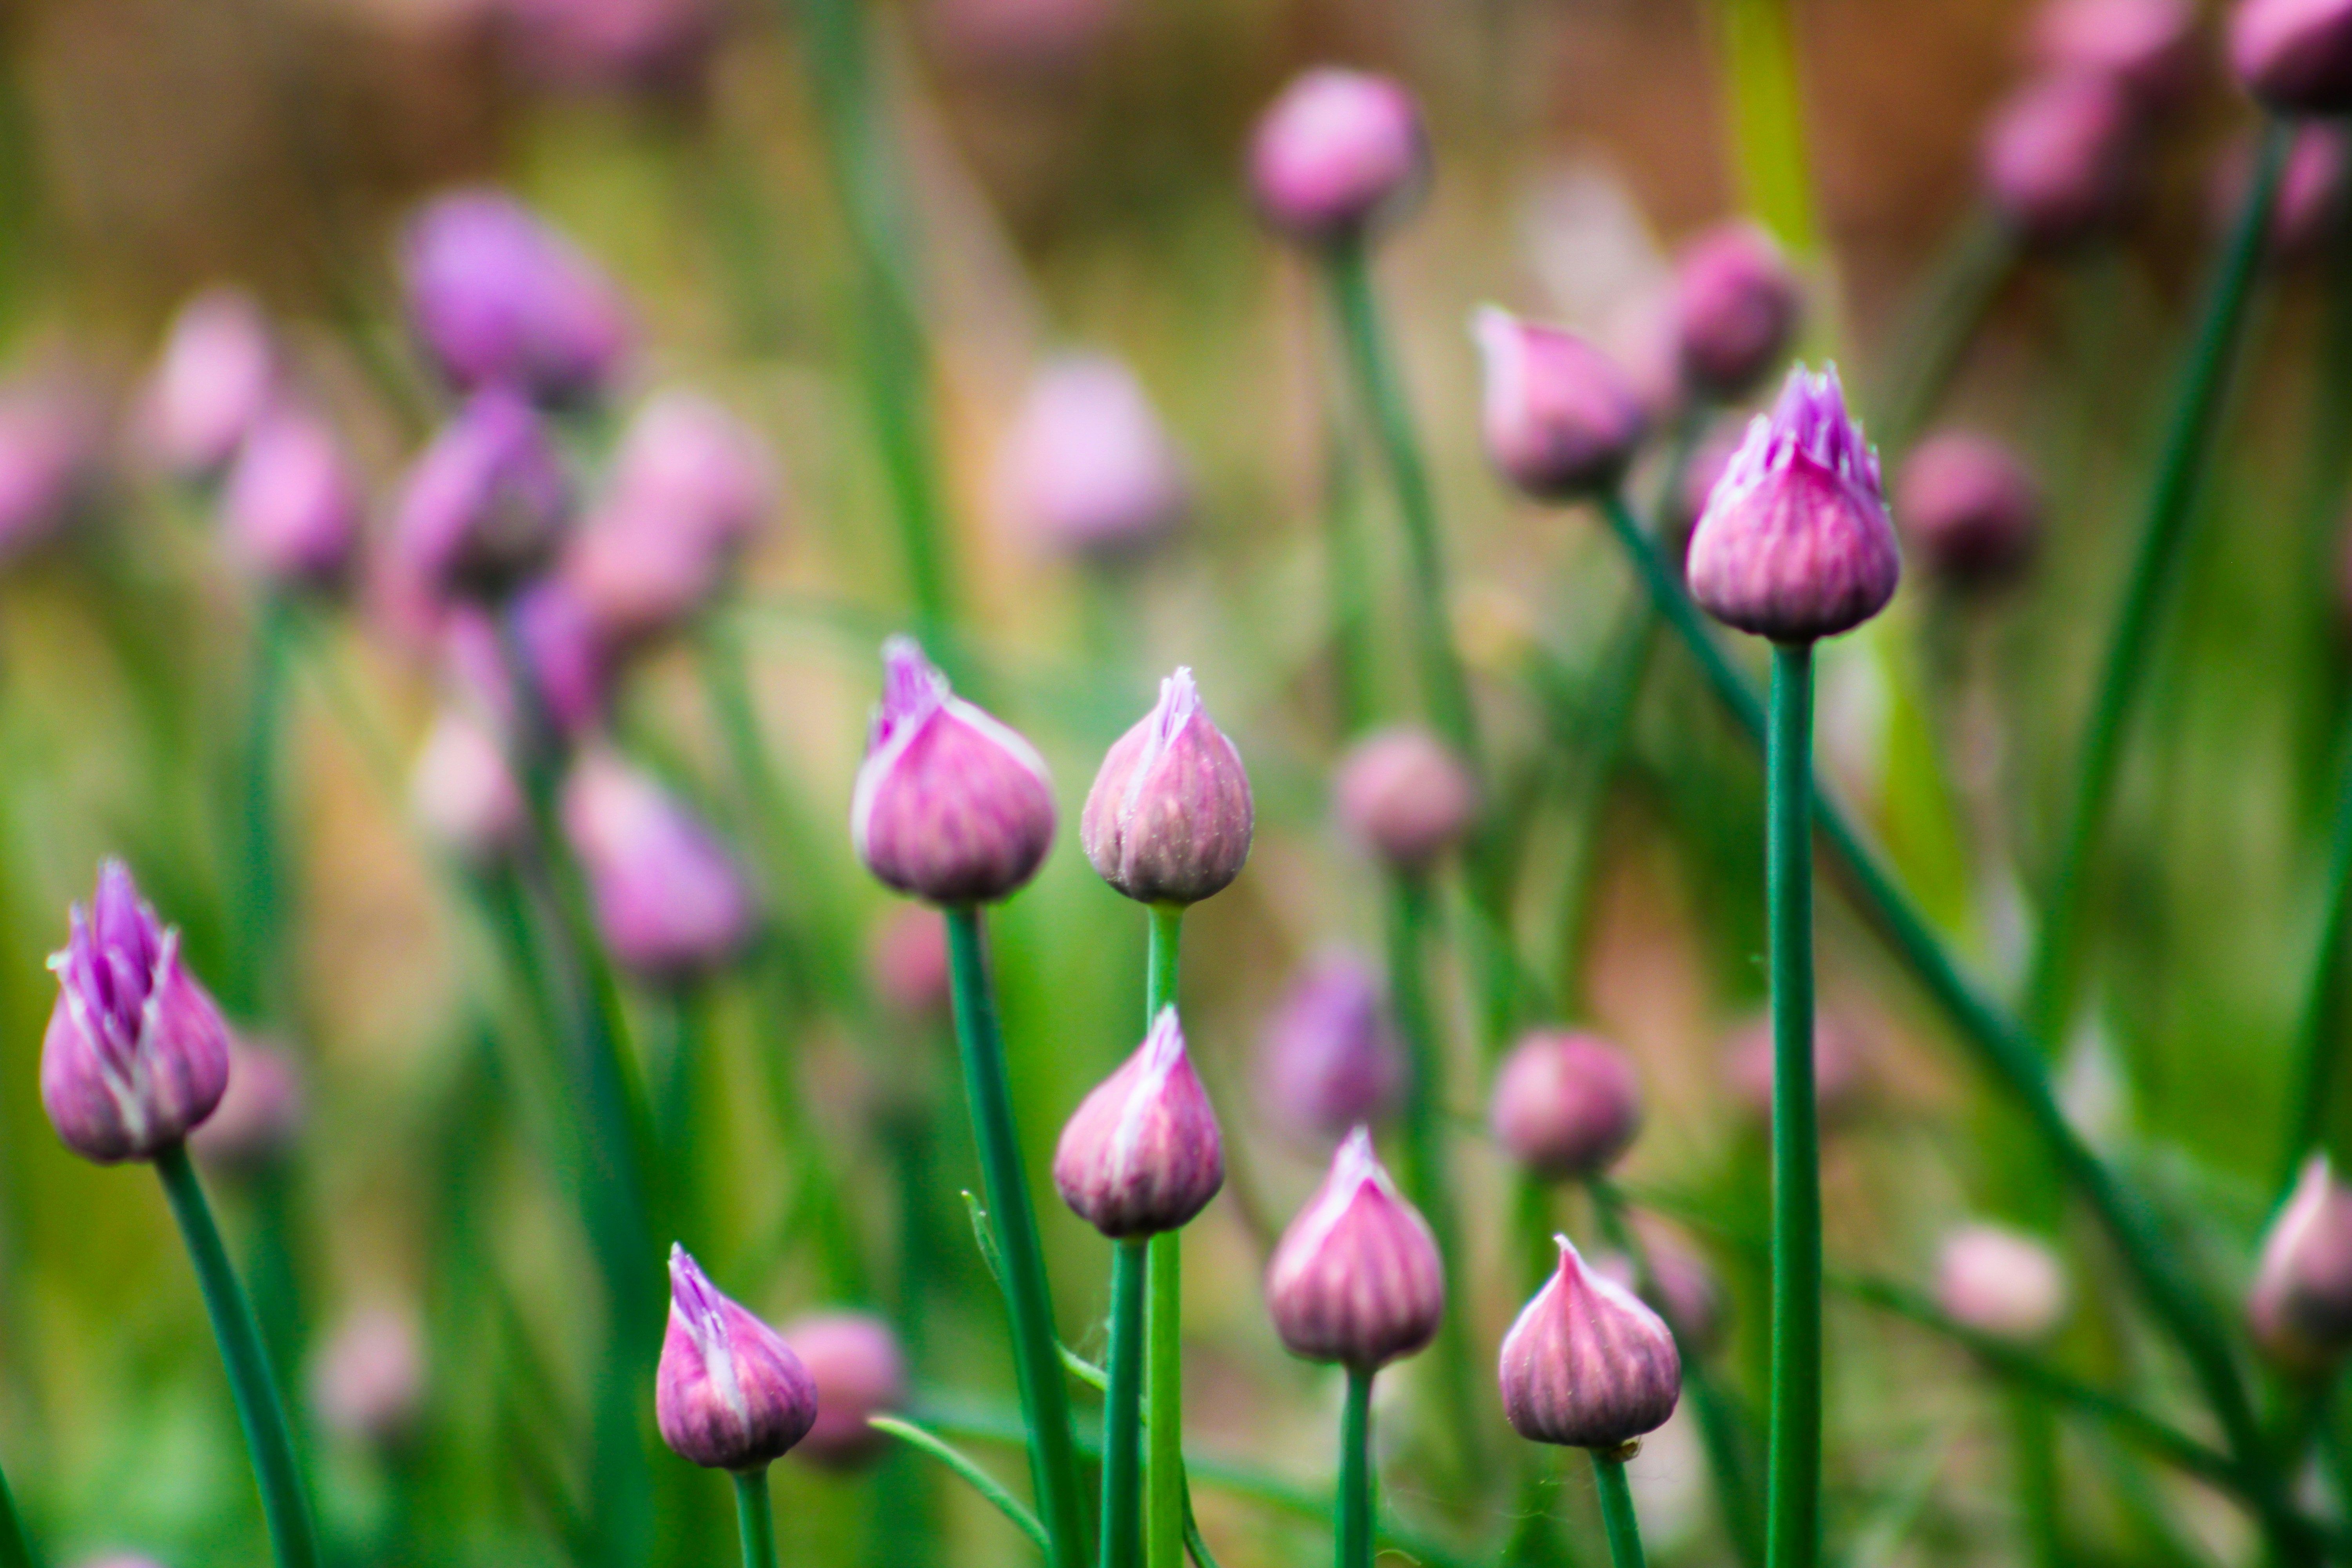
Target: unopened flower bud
{"type": "Point", "coordinates": [670, 902]}
{"type": "Point", "coordinates": [1795, 542]}
{"type": "Point", "coordinates": [2147, 46]}
{"type": "Point", "coordinates": [1736, 305]}
{"type": "Point", "coordinates": [2300, 1308]}
{"type": "Point", "coordinates": [502, 299]}
{"type": "Point", "coordinates": [259, 1116]}
{"type": "Point", "coordinates": [730, 1395]}
{"type": "Point", "coordinates": [1087, 470]}
{"type": "Point", "coordinates": [136, 1053]}
{"type": "Point", "coordinates": [292, 506]}
{"type": "Point", "coordinates": [1586, 1365]}
{"type": "Point", "coordinates": [367, 1380]}
{"type": "Point", "coordinates": [1561, 419]}
{"type": "Point", "coordinates": [1969, 509]}
{"type": "Point", "coordinates": [2063, 157]}
{"type": "Point", "coordinates": [2310, 188]}
{"type": "Point", "coordinates": [1749, 1066]}
{"type": "Point", "coordinates": [1357, 1277]}
{"type": "Point", "coordinates": [907, 962]}
{"type": "Point", "coordinates": [1566, 1104]}
{"type": "Point", "coordinates": [211, 384]}
{"type": "Point", "coordinates": [1328, 1061]}
{"type": "Point", "coordinates": [2001, 1283]}
{"type": "Point", "coordinates": [1142, 1155]}
{"type": "Point", "coordinates": [463, 792]}
{"type": "Point", "coordinates": [951, 805]}
{"type": "Point", "coordinates": [632, 45]}
{"type": "Point", "coordinates": [484, 504]}
{"type": "Point", "coordinates": [1339, 152]}
{"type": "Point", "coordinates": [569, 670]}
{"type": "Point", "coordinates": [1169, 819]}
{"type": "Point", "coordinates": [854, 1361]}
{"type": "Point", "coordinates": [1402, 794]}
{"type": "Point", "coordinates": [2294, 55]}
{"type": "Point", "coordinates": [50, 453]}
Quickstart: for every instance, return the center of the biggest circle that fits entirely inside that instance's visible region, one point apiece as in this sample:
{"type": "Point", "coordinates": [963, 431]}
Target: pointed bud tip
{"type": "Point", "coordinates": [1170, 816]}
{"type": "Point", "coordinates": [1143, 1153]}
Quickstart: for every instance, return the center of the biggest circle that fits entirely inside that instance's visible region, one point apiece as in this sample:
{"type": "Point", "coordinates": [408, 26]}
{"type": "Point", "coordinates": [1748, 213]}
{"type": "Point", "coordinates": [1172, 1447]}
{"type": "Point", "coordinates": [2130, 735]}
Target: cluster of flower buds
{"type": "Point", "coordinates": [1328, 1061]}
{"type": "Point", "coordinates": [1357, 1279]}
{"type": "Point", "coordinates": [2001, 1283]}
{"type": "Point", "coordinates": [859, 1372]}
{"type": "Point", "coordinates": [1561, 419]}
{"type": "Point", "coordinates": [1736, 306]}
{"type": "Point", "coordinates": [1586, 1365]}
{"type": "Point", "coordinates": [500, 299]}
{"type": "Point", "coordinates": [1565, 1104]}
{"type": "Point", "coordinates": [1169, 817]}
{"type": "Point", "coordinates": [2300, 1309]}
{"type": "Point", "coordinates": [1142, 1154]}
{"type": "Point", "coordinates": [1968, 508]}
{"type": "Point", "coordinates": [1402, 794]}
{"type": "Point", "coordinates": [2294, 55]}
{"type": "Point", "coordinates": [1087, 470]}
{"type": "Point", "coordinates": [1338, 154]}
{"type": "Point", "coordinates": [729, 1394]}
{"type": "Point", "coordinates": [670, 903]}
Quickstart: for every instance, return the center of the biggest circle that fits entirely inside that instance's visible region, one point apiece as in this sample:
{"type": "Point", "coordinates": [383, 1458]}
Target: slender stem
{"type": "Point", "coordinates": [2166, 522]}
{"type": "Point", "coordinates": [257, 1407]}
{"type": "Point", "coordinates": [1044, 1401]}
{"type": "Point", "coordinates": [2312, 1086]}
{"type": "Point", "coordinates": [1164, 1510]}
{"type": "Point", "coordinates": [2034, 1440]}
{"type": "Point", "coordinates": [1353, 1532]}
{"type": "Point", "coordinates": [1122, 1469]}
{"type": "Point", "coordinates": [1351, 591]}
{"type": "Point", "coordinates": [755, 1518]}
{"type": "Point", "coordinates": [15, 1546]}
{"type": "Point", "coordinates": [979, 1480]}
{"type": "Point", "coordinates": [1617, 1509]}
{"type": "Point", "coordinates": [1792, 1538]}
{"type": "Point", "coordinates": [259, 939]}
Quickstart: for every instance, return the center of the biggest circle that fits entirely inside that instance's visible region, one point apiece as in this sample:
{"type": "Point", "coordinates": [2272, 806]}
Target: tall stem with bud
{"type": "Point", "coordinates": [1617, 1509]}
{"type": "Point", "coordinates": [1164, 1484]}
{"type": "Point", "coordinates": [1793, 1529]}
{"type": "Point", "coordinates": [1353, 1527]}
{"type": "Point", "coordinates": [755, 1519]}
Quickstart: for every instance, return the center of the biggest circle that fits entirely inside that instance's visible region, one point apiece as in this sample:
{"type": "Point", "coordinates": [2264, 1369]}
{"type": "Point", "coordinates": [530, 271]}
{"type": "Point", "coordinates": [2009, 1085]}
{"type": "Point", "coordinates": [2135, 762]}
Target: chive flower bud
{"type": "Point", "coordinates": [1561, 419]}
{"type": "Point", "coordinates": [570, 670]}
{"type": "Point", "coordinates": [291, 506]}
{"type": "Point", "coordinates": [2310, 188]}
{"type": "Point", "coordinates": [2294, 55]}
{"type": "Point", "coordinates": [1328, 1061]}
{"type": "Point", "coordinates": [907, 961]}
{"type": "Point", "coordinates": [1338, 153]}
{"type": "Point", "coordinates": [1566, 1104]}
{"type": "Point", "coordinates": [50, 459]}
{"type": "Point", "coordinates": [1969, 509]}
{"type": "Point", "coordinates": [1795, 542]}
{"type": "Point", "coordinates": [462, 792]}
{"type": "Point", "coordinates": [213, 382]}
{"type": "Point", "coordinates": [951, 805]}
{"type": "Point", "coordinates": [1736, 304]}
{"type": "Point", "coordinates": [1169, 819]}
{"type": "Point", "coordinates": [854, 1361]}
{"type": "Point", "coordinates": [729, 1394]}
{"type": "Point", "coordinates": [499, 299]}
{"type": "Point", "coordinates": [2300, 1308]}
{"type": "Point", "coordinates": [484, 505]}
{"type": "Point", "coordinates": [670, 902]}
{"type": "Point", "coordinates": [2001, 1283]}
{"type": "Point", "coordinates": [2147, 46]}
{"type": "Point", "coordinates": [367, 1379]}
{"type": "Point", "coordinates": [136, 1053]}
{"type": "Point", "coordinates": [1142, 1154]}
{"type": "Point", "coordinates": [2063, 157]}
{"type": "Point", "coordinates": [1357, 1279]}
{"type": "Point", "coordinates": [1087, 470]}
{"type": "Point", "coordinates": [1404, 794]}
{"type": "Point", "coordinates": [261, 1114]}
{"type": "Point", "coordinates": [1588, 1365]}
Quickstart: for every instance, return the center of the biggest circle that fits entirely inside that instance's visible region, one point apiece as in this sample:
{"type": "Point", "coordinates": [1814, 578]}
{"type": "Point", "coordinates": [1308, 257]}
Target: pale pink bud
{"type": "Point", "coordinates": [1357, 1277]}
{"type": "Point", "coordinates": [729, 1394]}
{"type": "Point", "coordinates": [1566, 1104]}
{"type": "Point", "coordinates": [259, 1117]}
{"type": "Point", "coordinates": [1586, 1365]}
{"type": "Point", "coordinates": [1169, 819]}
{"type": "Point", "coordinates": [1680, 1287]}
{"type": "Point", "coordinates": [50, 459]}
{"type": "Point", "coordinates": [1736, 306]}
{"type": "Point", "coordinates": [670, 902]}
{"type": "Point", "coordinates": [463, 792]}
{"type": "Point", "coordinates": [854, 1361]}
{"type": "Point", "coordinates": [2294, 55]}
{"type": "Point", "coordinates": [644, 45]}
{"type": "Point", "coordinates": [1087, 470]}
{"type": "Point", "coordinates": [2148, 46]}
{"type": "Point", "coordinates": [2300, 1308]}
{"type": "Point", "coordinates": [2001, 1283]}
{"type": "Point", "coordinates": [1561, 418]}
{"type": "Point", "coordinates": [367, 1380]}
{"type": "Point", "coordinates": [291, 507]}
{"type": "Point", "coordinates": [2063, 156]}
{"type": "Point", "coordinates": [1328, 1061]}
{"type": "Point", "coordinates": [1142, 1154]}
{"type": "Point", "coordinates": [1339, 152]}
{"type": "Point", "coordinates": [213, 382]}
{"type": "Point", "coordinates": [1969, 507]}
{"type": "Point", "coordinates": [1402, 794]}
{"type": "Point", "coordinates": [907, 962]}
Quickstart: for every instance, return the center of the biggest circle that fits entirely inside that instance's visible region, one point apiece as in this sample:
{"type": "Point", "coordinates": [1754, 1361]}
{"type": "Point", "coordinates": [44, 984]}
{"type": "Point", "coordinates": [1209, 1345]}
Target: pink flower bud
{"type": "Point", "coordinates": [1338, 152]}
{"type": "Point", "coordinates": [501, 300]}
{"type": "Point", "coordinates": [1795, 542]}
{"type": "Point", "coordinates": [2300, 1308]}
{"type": "Point", "coordinates": [669, 900]}
{"type": "Point", "coordinates": [570, 671]}
{"type": "Point", "coordinates": [2001, 1283]}
{"type": "Point", "coordinates": [463, 792]}
{"type": "Point", "coordinates": [213, 382]}
{"type": "Point", "coordinates": [259, 1117]}
{"type": "Point", "coordinates": [643, 44]}
{"type": "Point", "coordinates": [2310, 191]}
{"type": "Point", "coordinates": [136, 1053]}
{"type": "Point", "coordinates": [50, 459]}
{"type": "Point", "coordinates": [730, 1395]}
{"type": "Point", "coordinates": [2063, 156]}
{"type": "Point", "coordinates": [1087, 470]}
{"type": "Point", "coordinates": [2147, 46]}
{"type": "Point", "coordinates": [1561, 420]}
{"type": "Point", "coordinates": [1404, 794]}
{"type": "Point", "coordinates": [1169, 819]}
{"type": "Point", "coordinates": [2294, 55]}
{"type": "Point", "coordinates": [484, 504]}
{"type": "Point", "coordinates": [1587, 1365]}
{"type": "Point", "coordinates": [1142, 1155]}
{"type": "Point", "coordinates": [1969, 509]}
{"type": "Point", "coordinates": [292, 505]}
{"type": "Point", "coordinates": [1736, 306]}
{"type": "Point", "coordinates": [1356, 1279]}
{"type": "Point", "coordinates": [908, 962]}
{"type": "Point", "coordinates": [951, 806]}
{"type": "Point", "coordinates": [1837, 1069]}
{"type": "Point", "coordinates": [854, 1359]}
{"type": "Point", "coordinates": [1681, 1288]}
{"type": "Point", "coordinates": [1329, 1061]}
{"type": "Point", "coordinates": [367, 1380]}
{"type": "Point", "coordinates": [1566, 1104]}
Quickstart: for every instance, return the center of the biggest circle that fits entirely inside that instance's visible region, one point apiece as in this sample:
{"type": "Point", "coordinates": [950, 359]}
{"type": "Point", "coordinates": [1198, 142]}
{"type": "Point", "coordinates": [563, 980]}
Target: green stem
{"type": "Point", "coordinates": [979, 1480]}
{"type": "Point", "coordinates": [1122, 1468]}
{"type": "Point", "coordinates": [1353, 1531]}
{"type": "Point", "coordinates": [1045, 1399]}
{"type": "Point", "coordinates": [2033, 1438]}
{"type": "Point", "coordinates": [1164, 1510]}
{"type": "Point", "coordinates": [15, 1546]}
{"type": "Point", "coordinates": [1792, 1535]}
{"type": "Point", "coordinates": [1617, 1509]}
{"type": "Point", "coordinates": [1350, 588]}
{"type": "Point", "coordinates": [2312, 1086]}
{"type": "Point", "coordinates": [1767, 119]}
{"type": "Point", "coordinates": [2122, 677]}
{"type": "Point", "coordinates": [259, 933]}
{"type": "Point", "coordinates": [755, 1518]}
{"type": "Point", "coordinates": [258, 1409]}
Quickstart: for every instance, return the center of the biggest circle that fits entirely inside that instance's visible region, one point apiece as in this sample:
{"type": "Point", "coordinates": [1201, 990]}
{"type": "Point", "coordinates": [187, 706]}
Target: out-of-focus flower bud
{"type": "Point", "coordinates": [1169, 819]}
{"type": "Point", "coordinates": [1338, 152]}
{"type": "Point", "coordinates": [1969, 509]}
{"type": "Point", "coordinates": [1087, 470]}
{"type": "Point", "coordinates": [571, 675]}
{"type": "Point", "coordinates": [213, 382]}
{"type": "Point", "coordinates": [259, 1117]}
{"type": "Point", "coordinates": [951, 806]}
{"type": "Point", "coordinates": [1566, 1104]}
{"type": "Point", "coordinates": [367, 1380]}
{"type": "Point", "coordinates": [2061, 158]}
{"type": "Point", "coordinates": [2147, 46]}
{"type": "Point", "coordinates": [644, 45]}
{"type": "Point", "coordinates": [1561, 419]}
{"type": "Point", "coordinates": [292, 506]}
{"type": "Point", "coordinates": [1586, 1365]}
{"type": "Point", "coordinates": [1736, 306]}
{"type": "Point", "coordinates": [669, 900]}
{"type": "Point", "coordinates": [484, 504]}
{"type": "Point", "coordinates": [1038, 39]}
{"type": "Point", "coordinates": [1356, 1279]}
{"type": "Point", "coordinates": [1837, 1069]}
{"type": "Point", "coordinates": [463, 792]}
{"type": "Point", "coordinates": [136, 1053]}
{"type": "Point", "coordinates": [2300, 1308]}
{"type": "Point", "coordinates": [48, 460]}
{"type": "Point", "coordinates": [1142, 1154]}
{"type": "Point", "coordinates": [2294, 55]}
{"type": "Point", "coordinates": [1328, 1061]}
{"type": "Point", "coordinates": [908, 962]}
{"type": "Point", "coordinates": [1404, 794]}
{"type": "Point", "coordinates": [502, 299]}
{"type": "Point", "coordinates": [1795, 542]}
{"type": "Point", "coordinates": [1680, 1288]}
{"type": "Point", "coordinates": [854, 1361]}
{"type": "Point", "coordinates": [2001, 1283]}
{"type": "Point", "coordinates": [2310, 199]}
{"type": "Point", "coordinates": [730, 1395]}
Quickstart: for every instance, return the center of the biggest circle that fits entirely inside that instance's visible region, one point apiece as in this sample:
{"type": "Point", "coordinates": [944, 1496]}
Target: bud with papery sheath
{"type": "Point", "coordinates": [1357, 1279]}
{"type": "Point", "coordinates": [1169, 819]}
{"type": "Point", "coordinates": [291, 507]}
{"type": "Point", "coordinates": [2300, 1308]}
{"type": "Point", "coordinates": [1969, 509]}
{"type": "Point", "coordinates": [729, 1394]}
{"type": "Point", "coordinates": [213, 382]}
{"type": "Point", "coordinates": [1566, 1104]}
{"type": "Point", "coordinates": [2294, 55]}
{"type": "Point", "coordinates": [1143, 1155]}
{"type": "Point", "coordinates": [261, 1114]}
{"type": "Point", "coordinates": [2147, 46]}
{"type": "Point", "coordinates": [502, 299]}
{"type": "Point", "coordinates": [2063, 156]}
{"type": "Point", "coordinates": [950, 807]}
{"type": "Point", "coordinates": [1586, 1365]}
{"type": "Point", "coordinates": [1339, 152]}
{"type": "Point", "coordinates": [670, 902]}
{"type": "Point", "coordinates": [1736, 304]}
{"type": "Point", "coordinates": [859, 1372]}
{"type": "Point", "coordinates": [2000, 1282]}
{"type": "Point", "coordinates": [1795, 542]}
{"type": "Point", "coordinates": [1088, 468]}
{"type": "Point", "coordinates": [1329, 1061]}
{"type": "Point", "coordinates": [1404, 795]}
{"type": "Point", "coordinates": [1561, 419]}
{"type": "Point", "coordinates": [484, 504]}
{"type": "Point", "coordinates": [136, 1053]}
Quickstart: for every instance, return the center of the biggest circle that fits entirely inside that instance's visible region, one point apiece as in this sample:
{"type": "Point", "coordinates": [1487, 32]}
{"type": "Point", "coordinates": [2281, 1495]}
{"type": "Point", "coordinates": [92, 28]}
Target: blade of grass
{"type": "Point", "coordinates": [979, 1480]}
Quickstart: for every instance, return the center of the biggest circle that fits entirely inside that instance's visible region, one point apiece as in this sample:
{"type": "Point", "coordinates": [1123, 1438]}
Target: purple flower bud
{"type": "Point", "coordinates": [1169, 819]}
{"type": "Point", "coordinates": [259, 1117]}
{"type": "Point", "coordinates": [1587, 1365]}
{"type": "Point", "coordinates": [1736, 306]}
{"type": "Point", "coordinates": [2063, 156]}
{"type": "Point", "coordinates": [1328, 1061]}
{"type": "Point", "coordinates": [213, 382]}
{"type": "Point", "coordinates": [49, 450]}
{"type": "Point", "coordinates": [647, 44]}
{"type": "Point", "coordinates": [1795, 542]}
{"type": "Point", "coordinates": [136, 1053]}
{"type": "Point", "coordinates": [854, 1361]}
{"type": "Point", "coordinates": [1339, 152]}
{"type": "Point", "coordinates": [1681, 1288]}
{"type": "Point", "coordinates": [1087, 469]}
{"type": "Point", "coordinates": [1404, 794]}
{"type": "Point", "coordinates": [730, 1395]}
{"type": "Point", "coordinates": [502, 299]}
{"type": "Point", "coordinates": [1969, 509]}
{"type": "Point", "coordinates": [1561, 420]}
{"type": "Point", "coordinates": [2001, 1283]}
{"type": "Point", "coordinates": [1566, 1104]}
{"type": "Point", "coordinates": [2310, 191]}
{"type": "Point", "coordinates": [2294, 55]}
{"type": "Point", "coordinates": [571, 674]}
{"type": "Point", "coordinates": [1356, 1279]}
{"type": "Point", "coordinates": [670, 903]}
{"type": "Point", "coordinates": [292, 507]}
{"type": "Point", "coordinates": [1837, 1069]}
{"type": "Point", "coordinates": [2147, 46]}
{"type": "Point", "coordinates": [463, 792]}
{"type": "Point", "coordinates": [2300, 1308]}
{"type": "Point", "coordinates": [1142, 1154]}
{"type": "Point", "coordinates": [367, 1380]}
{"type": "Point", "coordinates": [951, 806]}
{"type": "Point", "coordinates": [484, 504]}
{"type": "Point", "coordinates": [908, 962]}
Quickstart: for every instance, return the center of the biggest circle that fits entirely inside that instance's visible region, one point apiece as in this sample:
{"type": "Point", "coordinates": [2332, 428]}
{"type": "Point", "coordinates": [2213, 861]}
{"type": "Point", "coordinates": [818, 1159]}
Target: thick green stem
{"type": "Point", "coordinates": [1617, 1518]}
{"type": "Point", "coordinates": [2188, 440]}
{"type": "Point", "coordinates": [1792, 1537]}
{"type": "Point", "coordinates": [257, 1407]}
{"type": "Point", "coordinates": [1353, 1529]}
{"type": "Point", "coordinates": [1122, 1468]}
{"type": "Point", "coordinates": [1164, 1486]}
{"type": "Point", "coordinates": [755, 1519]}
{"type": "Point", "coordinates": [2311, 1089]}
{"type": "Point", "coordinates": [1036, 1360]}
